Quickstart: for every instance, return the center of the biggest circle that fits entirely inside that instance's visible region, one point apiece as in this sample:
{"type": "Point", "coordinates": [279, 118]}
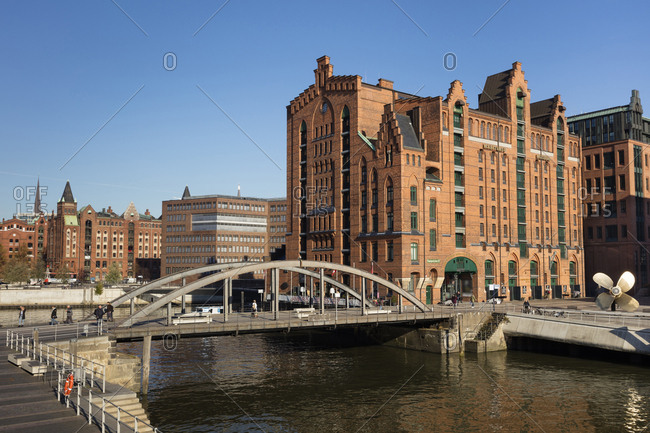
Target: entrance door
{"type": "Point", "coordinates": [429, 295]}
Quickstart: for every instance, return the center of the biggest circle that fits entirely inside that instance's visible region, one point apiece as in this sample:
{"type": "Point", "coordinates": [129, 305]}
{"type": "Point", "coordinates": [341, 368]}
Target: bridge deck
{"type": "Point", "coordinates": [244, 323]}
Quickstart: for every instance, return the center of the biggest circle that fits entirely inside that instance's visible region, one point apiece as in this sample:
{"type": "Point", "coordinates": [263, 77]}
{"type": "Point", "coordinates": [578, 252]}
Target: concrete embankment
{"type": "Point", "coordinates": [57, 296]}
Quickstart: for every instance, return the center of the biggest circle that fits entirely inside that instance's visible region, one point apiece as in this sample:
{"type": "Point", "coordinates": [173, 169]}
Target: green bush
{"type": "Point", "coordinates": [99, 289]}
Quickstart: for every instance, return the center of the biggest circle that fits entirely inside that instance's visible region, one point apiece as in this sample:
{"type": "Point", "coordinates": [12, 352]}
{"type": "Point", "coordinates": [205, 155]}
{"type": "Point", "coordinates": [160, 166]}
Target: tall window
{"type": "Point", "coordinates": [389, 193]}
{"type": "Point", "coordinates": [414, 251]}
{"type": "Point", "coordinates": [389, 251]}
{"type": "Point", "coordinates": [432, 209]}
{"type": "Point", "coordinates": [389, 221]}
{"type": "Point", "coordinates": [414, 220]}
{"type": "Point", "coordinates": [414, 195]}
{"type": "Point", "coordinates": [432, 240]}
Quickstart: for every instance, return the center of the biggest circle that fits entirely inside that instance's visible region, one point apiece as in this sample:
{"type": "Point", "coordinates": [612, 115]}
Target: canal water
{"type": "Point", "coordinates": [301, 383]}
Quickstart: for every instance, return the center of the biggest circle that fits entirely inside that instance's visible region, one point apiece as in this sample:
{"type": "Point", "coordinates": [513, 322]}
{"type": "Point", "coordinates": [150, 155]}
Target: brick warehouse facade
{"type": "Point", "coordinates": [90, 241]}
{"type": "Point", "coordinates": [200, 230]}
{"type": "Point", "coordinates": [444, 198]}
{"type": "Point", "coordinates": [617, 210]}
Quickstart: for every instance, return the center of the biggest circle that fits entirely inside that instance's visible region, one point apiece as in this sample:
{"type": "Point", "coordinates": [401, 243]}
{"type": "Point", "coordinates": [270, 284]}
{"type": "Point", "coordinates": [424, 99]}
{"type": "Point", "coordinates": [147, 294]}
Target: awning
{"type": "Point", "coordinates": [460, 264]}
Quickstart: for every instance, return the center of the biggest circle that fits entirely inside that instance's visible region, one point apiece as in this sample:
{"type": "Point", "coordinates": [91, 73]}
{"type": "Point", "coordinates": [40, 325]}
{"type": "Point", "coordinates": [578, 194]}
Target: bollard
{"type": "Point", "coordinates": [146, 358]}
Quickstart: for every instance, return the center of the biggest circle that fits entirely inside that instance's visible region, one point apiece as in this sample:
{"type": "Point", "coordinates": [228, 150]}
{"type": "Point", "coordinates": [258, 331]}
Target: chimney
{"type": "Point", "coordinates": [147, 212]}
{"type": "Point", "coordinates": [324, 71]}
{"type": "Point", "coordinates": [386, 84]}
{"type": "Point", "coordinates": [110, 210]}
{"type": "Point", "coordinates": [238, 190]}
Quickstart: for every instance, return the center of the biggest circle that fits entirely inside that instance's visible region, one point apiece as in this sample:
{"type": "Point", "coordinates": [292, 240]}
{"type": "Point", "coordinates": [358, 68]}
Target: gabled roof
{"type": "Point", "coordinates": [186, 193]}
{"type": "Point", "coordinates": [495, 87]}
{"type": "Point", "coordinates": [409, 137]}
{"type": "Point", "coordinates": [541, 112]}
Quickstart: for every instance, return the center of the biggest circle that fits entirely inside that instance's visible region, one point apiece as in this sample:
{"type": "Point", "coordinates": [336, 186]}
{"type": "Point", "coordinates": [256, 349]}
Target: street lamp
{"type": "Point", "coordinates": [336, 295]}
{"type": "Point", "coordinates": [302, 293]}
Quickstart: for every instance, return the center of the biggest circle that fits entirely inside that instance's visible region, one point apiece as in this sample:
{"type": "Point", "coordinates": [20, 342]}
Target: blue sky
{"type": "Point", "coordinates": [69, 66]}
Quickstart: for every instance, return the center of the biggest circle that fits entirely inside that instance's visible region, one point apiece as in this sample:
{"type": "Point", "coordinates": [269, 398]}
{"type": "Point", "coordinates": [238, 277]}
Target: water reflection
{"type": "Point", "coordinates": [294, 384]}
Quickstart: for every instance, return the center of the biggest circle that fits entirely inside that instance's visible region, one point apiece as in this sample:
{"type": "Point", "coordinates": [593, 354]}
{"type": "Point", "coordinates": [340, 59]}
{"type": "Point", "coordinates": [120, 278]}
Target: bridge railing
{"type": "Point", "coordinates": [91, 372]}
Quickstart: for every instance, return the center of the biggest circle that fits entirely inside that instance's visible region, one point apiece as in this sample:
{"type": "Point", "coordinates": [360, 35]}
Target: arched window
{"type": "Point", "coordinates": [482, 129]}
{"type": "Point", "coordinates": [534, 274]}
{"type": "Point", "coordinates": [458, 115]}
{"type": "Point", "coordinates": [364, 171]}
{"type": "Point", "coordinates": [512, 273]}
{"type": "Point", "coordinates": [489, 272]}
{"type": "Point", "coordinates": [489, 131]}
{"type": "Point", "coordinates": [389, 191]}
{"type": "Point", "coordinates": [507, 137]}
{"type": "Point", "coordinates": [345, 129]}
{"type": "Point", "coordinates": [500, 133]}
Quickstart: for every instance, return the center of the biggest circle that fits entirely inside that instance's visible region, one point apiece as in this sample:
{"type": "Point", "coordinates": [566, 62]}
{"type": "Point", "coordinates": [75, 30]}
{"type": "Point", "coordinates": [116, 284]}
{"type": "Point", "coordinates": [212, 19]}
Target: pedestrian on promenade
{"type": "Point", "coordinates": [68, 314]}
{"type": "Point", "coordinates": [21, 317]}
{"type": "Point", "coordinates": [109, 312]}
{"type": "Point", "coordinates": [472, 300]}
{"type": "Point", "coordinates": [53, 317]}
{"type": "Point", "coordinates": [454, 299]}
{"type": "Point", "coordinates": [99, 314]}
{"type": "Point", "coordinates": [254, 306]}
{"type": "Point", "coordinates": [526, 306]}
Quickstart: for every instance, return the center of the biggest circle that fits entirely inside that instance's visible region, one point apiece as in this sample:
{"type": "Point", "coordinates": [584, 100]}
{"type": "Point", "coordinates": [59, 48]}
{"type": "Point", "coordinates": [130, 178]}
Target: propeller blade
{"type": "Point", "coordinates": [627, 303]}
{"type": "Point", "coordinates": [604, 300]}
{"type": "Point", "coordinates": [626, 281]}
{"type": "Point", "coordinates": [603, 281]}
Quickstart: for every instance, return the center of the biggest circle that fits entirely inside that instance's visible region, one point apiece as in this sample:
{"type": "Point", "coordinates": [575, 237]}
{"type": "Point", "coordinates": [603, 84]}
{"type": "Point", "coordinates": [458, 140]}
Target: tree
{"type": "Point", "coordinates": [99, 288]}
{"type": "Point", "coordinates": [114, 275]}
{"type": "Point", "coordinates": [38, 269]}
{"type": "Point", "coordinates": [16, 271]}
{"type": "Point", "coordinates": [64, 273]}
{"type": "Point", "coordinates": [3, 260]}
{"type": "Point", "coordinates": [17, 268]}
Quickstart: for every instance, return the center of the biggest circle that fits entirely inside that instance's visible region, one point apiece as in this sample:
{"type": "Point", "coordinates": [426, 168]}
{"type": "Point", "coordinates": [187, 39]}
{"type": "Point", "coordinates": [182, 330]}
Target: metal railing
{"type": "Point", "coordinates": [58, 358]}
{"type": "Point", "coordinates": [122, 421]}
{"type": "Point", "coordinates": [590, 317]}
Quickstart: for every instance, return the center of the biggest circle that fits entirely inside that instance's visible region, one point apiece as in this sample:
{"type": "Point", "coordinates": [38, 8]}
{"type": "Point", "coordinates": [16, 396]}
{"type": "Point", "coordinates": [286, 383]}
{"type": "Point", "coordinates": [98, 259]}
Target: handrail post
{"type": "Point", "coordinates": [103, 415]}
{"type": "Point", "coordinates": [78, 398]}
{"type": "Point", "coordinates": [135, 418]}
{"type": "Point", "coordinates": [58, 387]}
{"type": "Point", "coordinates": [90, 406]}
{"type": "Point", "coordinates": [118, 419]}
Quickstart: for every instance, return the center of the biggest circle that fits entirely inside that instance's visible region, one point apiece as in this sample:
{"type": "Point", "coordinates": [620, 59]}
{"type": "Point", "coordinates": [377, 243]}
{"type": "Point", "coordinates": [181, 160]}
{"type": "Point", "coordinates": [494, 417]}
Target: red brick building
{"type": "Point", "coordinates": [201, 230]}
{"type": "Point", "coordinates": [616, 210]}
{"type": "Point", "coordinates": [90, 241]}
{"type": "Point", "coordinates": [434, 195]}
{"type": "Point", "coordinates": [16, 232]}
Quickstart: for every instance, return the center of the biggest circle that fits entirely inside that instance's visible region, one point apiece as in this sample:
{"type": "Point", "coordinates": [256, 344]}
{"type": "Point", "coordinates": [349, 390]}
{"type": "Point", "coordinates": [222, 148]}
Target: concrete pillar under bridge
{"type": "Point", "coordinates": [470, 331]}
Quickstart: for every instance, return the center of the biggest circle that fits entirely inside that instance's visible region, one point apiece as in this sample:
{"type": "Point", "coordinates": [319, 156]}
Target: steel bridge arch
{"type": "Point", "coordinates": [220, 267]}
{"type": "Point", "coordinates": [230, 272]}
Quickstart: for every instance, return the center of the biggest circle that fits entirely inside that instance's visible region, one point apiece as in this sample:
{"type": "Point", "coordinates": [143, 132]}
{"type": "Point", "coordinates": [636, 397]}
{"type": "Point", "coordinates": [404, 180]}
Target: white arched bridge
{"type": "Point", "coordinates": [314, 270]}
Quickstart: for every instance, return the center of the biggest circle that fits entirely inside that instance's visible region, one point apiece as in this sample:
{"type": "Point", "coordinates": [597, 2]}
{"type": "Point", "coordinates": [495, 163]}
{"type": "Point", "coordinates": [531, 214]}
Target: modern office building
{"type": "Point", "coordinates": [201, 230]}
{"type": "Point", "coordinates": [625, 122]}
{"type": "Point", "coordinates": [432, 194]}
{"type": "Point", "coordinates": [616, 210]}
{"type": "Point", "coordinates": [88, 242]}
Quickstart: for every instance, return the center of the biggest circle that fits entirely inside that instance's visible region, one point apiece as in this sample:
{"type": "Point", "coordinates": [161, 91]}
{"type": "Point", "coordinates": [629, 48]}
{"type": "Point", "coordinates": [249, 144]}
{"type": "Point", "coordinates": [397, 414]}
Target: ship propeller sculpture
{"type": "Point", "coordinates": [615, 294]}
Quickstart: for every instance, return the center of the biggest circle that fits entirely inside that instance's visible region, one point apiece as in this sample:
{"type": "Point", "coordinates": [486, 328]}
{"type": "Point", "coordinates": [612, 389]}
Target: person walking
{"type": "Point", "coordinates": [68, 314]}
{"type": "Point", "coordinates": [53, 317]}
{"type": "Point", "coordinates": [109, 312]}
{"type": "Point", "coordinates": [99, 314]}
{"type": "Point", "coordinates": [254, 307]}
{"type": "Point", "coordinates": [472, 300]}
{"type": "Point", "coordinates": [21, 317]}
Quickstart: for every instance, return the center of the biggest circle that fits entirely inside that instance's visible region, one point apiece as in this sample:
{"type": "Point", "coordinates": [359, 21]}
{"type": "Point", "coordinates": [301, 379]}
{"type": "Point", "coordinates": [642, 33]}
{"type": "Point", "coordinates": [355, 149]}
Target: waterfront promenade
{"type": "Point", "coordinates": [29, 405]}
